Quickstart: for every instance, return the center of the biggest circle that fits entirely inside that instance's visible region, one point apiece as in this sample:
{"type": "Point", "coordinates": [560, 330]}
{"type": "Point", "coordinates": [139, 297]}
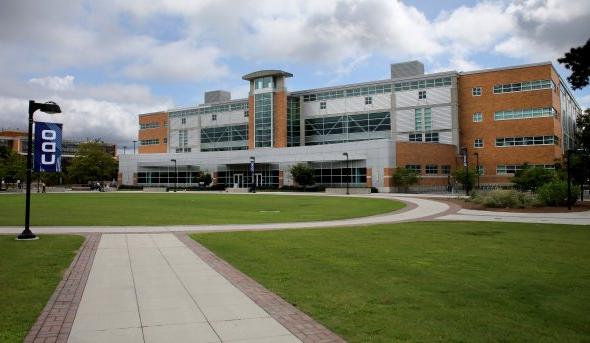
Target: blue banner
{"type": "Point", "coordinates": [48, 147]}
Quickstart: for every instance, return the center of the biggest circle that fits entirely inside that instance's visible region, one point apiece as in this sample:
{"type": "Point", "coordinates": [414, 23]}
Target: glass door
{"type": "Point", "coordinates": [238, 180]}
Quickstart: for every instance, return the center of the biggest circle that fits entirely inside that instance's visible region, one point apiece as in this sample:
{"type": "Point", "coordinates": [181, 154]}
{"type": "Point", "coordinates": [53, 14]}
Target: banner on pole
{"type": "Point", "coordinates": [48, 147]}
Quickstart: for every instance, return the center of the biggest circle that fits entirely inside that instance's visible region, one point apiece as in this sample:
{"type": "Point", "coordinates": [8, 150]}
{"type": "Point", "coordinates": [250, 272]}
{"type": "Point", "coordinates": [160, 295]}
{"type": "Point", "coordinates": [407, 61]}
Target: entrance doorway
{"type": "Point", "coordinates": [258, 179]}
{"type": "Point", "coordinates": [238, 180]}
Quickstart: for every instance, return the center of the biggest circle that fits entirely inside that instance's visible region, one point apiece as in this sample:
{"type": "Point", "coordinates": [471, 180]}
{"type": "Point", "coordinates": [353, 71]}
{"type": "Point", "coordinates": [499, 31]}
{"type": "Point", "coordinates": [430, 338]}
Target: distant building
{"type": "Point", "coordinates": [503, 117]}
{"type": "Point", "coordinates": [17, 141]}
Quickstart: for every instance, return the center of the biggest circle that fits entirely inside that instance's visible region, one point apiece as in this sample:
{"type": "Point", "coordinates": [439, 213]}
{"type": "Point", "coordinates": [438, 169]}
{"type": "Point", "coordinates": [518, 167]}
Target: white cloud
{"type": "Point", "coordinates": [54, 82]}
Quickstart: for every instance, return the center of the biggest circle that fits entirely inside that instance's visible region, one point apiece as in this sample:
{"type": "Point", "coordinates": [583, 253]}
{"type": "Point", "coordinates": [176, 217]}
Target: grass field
{"type": "Point", "coordinates": [29, 273]}
{"type": "Point", "coordinates": [96, 209]}
{"type": "Point", "coordinates": [426, 282]}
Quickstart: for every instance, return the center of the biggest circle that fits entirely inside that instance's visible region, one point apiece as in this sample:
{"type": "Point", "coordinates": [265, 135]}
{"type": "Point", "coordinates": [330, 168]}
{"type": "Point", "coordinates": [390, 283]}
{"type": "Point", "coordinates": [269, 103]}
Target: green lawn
{"type": "Point", "coordinates": [96, 209]}
{"type": "Point", "coordinates": [429, 281]}
{"type": "Point", "coordinates": [29, 273]}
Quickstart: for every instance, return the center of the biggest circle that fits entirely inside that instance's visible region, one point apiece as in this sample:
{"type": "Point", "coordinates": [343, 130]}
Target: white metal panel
{"type": "Point", "coordinates": [445, 137]}
{"type": "Point", "coordinates": [404, 137]}
{"type": "Point", "coordinates": [434, 96]}
{"type": "Point", "coordinates": [194, 137]}
{"type": "Point", "coordinates": [174, 123]}
{"type": "Point", "coordinates": [440, 95]}
{"type": "Point", "coordinates": [407, 99]}
{"type": "Point", "coordinates": [382, 101]}
{"type": "Point", "coordinates": [173, 141]}
{"type": "Point", "coordinates": [441, 118]}
{"type": "Point", "coordinates": [335, 106]}
{"type": "Point", "coordinates": [355, 104]}
{"type": "Point", "coordinates": [405, 120]}
{"type": "Point", "coordinates": [309, 109]}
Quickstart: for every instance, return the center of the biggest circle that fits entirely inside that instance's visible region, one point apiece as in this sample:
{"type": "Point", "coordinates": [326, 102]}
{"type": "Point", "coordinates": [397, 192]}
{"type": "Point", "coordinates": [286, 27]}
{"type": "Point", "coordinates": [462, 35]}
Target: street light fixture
{"type": "Point", "coordinates": [347, 173]}
{"type": "Point", "coordinates": [134, 147]}
{"type": "Point", "coordinates": [49, 107]}
{"type": "Point", "coordinates": [175, 174]}
{"type": "Point", "coordinates": [477, 167]}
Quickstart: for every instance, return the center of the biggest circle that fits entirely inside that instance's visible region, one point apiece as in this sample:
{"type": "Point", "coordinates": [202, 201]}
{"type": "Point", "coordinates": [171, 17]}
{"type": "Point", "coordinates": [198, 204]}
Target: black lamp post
{"type": "Point", "coordinates": [48, 107]}
{"type": "Point", "coordinates": [569, 174]}
{"type": "Point", "coordinates": [252, 176]}
{"type": "Point", "coordinates": [347, 172]}
{"type": "Point", "coordinates": [175, 174]}
{"type": "Point", "coordinates": [124, 150]}
{"type": "Point", "coordinates": [466, 169]}
{"type": "Point", "coordinates": [134, 147]}
{"type": "Point", "coordinates": [477, 167]}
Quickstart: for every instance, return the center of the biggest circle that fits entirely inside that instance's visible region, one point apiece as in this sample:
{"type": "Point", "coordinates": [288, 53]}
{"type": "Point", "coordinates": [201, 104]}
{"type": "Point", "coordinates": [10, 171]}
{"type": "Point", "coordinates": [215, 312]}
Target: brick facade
{"type": "Point", "coordinates": [160, 133]}
{"type": "Point", "coordinates": [423, 154]}
{"type": "Point", "coordinates": [488, 129]}
{"type": "Point", "coordinates": [280, 119]}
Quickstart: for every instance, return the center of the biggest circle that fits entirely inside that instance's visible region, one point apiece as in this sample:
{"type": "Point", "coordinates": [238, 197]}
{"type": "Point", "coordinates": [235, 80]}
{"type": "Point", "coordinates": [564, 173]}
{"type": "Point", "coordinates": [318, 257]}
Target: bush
{"type": "Point", "coordinates": [403, 178]}
{"type": "Point", "coordinates": [374, 190]}
{"type": "Point", "coordinates": [503, 199]}
{"type": "Point", "coordinates": [531, 178]}
{"type": "Point", "coordinates": [555, 193]}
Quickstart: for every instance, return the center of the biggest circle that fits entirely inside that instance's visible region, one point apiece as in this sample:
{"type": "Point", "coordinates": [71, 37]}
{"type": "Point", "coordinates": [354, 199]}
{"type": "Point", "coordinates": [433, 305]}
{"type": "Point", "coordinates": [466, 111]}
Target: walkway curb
{"type": "Point", "coordinates": [299, 323]}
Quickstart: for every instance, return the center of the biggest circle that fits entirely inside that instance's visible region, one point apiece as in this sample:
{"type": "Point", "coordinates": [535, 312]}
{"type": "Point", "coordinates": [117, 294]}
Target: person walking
{"type": "Point", "coordinates": [18, 183]}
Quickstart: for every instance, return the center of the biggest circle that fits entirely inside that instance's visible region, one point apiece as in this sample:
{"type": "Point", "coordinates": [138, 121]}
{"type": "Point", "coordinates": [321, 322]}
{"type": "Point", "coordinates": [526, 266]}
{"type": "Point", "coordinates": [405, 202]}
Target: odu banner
{"type": "Point", "coordinates": [47, 147]}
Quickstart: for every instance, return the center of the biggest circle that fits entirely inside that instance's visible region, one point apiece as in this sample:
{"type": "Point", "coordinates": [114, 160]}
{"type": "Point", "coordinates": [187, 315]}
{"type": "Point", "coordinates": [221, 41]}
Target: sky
{"type": "Point", "coordinates": [104, 62]}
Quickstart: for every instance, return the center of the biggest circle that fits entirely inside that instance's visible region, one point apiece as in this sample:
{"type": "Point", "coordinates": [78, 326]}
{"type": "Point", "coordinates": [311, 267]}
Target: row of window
{"type": "Point", "coordinates": [430, 169]}
{"type": "Point", "coordinates": [516, 87]}
{"type": "Point", "coordinates": [369, 90]}
{"type": "Point", "coordinates": [154, 141]}
{"type": "Point", "coordinates": [379, 89]}
{"type": "Point", "coordinates": [150, 125]}
{"type": "Point", "coordinates": [423, 119]}
{"type": "Point", "coordinates": [210, 109]}
{"type": "Point", "coordinates": [523, 86]}
{"type": "Point", "coordinates": [534, 140]}
{"type": "Point", "coordinates": [512, 169]}
{"type": "Point", "coordinates": [525, 113]}
{"type": "Point", "coordinates": [520, 141]}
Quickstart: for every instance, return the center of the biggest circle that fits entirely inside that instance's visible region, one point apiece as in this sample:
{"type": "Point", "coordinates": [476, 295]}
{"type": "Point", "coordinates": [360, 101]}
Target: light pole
{"type": "Point", "coordinates": [124, 150]}
{"type": "Point", "coordinates": [477, 167]}
{"type": "Point", "coordinates": [347, 172]}
{"type": "Point", "coordinates": [134, 147]}
{"type": "Point", "coordinates": [48, 107]}
{"type": "Point", "coordinates": [466, 169]}
{"type": "Point", "coordinates": [175, 174]}
{"type": "Point", "coordinates": [252, 176]}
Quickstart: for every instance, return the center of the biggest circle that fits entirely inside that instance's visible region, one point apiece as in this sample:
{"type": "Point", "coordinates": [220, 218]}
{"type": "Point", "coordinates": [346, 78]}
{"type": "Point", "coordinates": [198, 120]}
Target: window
{"type": "Point", "coordinates": [477, 117]}
{"type": "Point", "coordinates": [150, 125]}
{"type": "Point", "coordinates": [165, 140]}
{"type": "Point", "coordinates": [263, 82]}
{"type": "Point", "coordinates": [246, 113]}
{"type": "Point", "coordinates": [476, 91]}
{"type": "Point", "coordinates": [525, 113]}
{"type": "Point", "coordinates": [165, 124]}
{"type": "Point", "coordinates": [512, 169]}
{"type": "Point", "coordinates": [214, 117]}
{"type": "Point", "coordinates": [414, 167]}
{"type": "Point", "coordinates": [182, 138]}
{"type": "Point", "coordinates": [445, 169]}
{"type": "Point", "coordinates": [423, 119]}
{"type": "Point", "coordinates": [431, 137]}
{"type": "Point", "coordinates": [149, 142]}
{"type": "Point", "coordinates": [431, 169]}
{"type": "Point", "coordinates": [519, 141]}
{"type": "Point", "coordinates": [478, 143]}
{"type": "Point", "coordinates": [523, 86]}
{"type": "Point", "coordinates": [183, 120]}
{"type": "Point", "coordinates": [415, 137]}
{"type": "Point", "coordinates": [421, 94]}
{"type": "Point", "coordinates": [368, 100]}
{"type": "Point", "coordinates": [322, 105]}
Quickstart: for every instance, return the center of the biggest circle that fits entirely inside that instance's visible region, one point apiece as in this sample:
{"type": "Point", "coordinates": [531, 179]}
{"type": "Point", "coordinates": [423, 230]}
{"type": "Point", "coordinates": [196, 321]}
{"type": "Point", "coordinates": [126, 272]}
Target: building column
{"type": "Point", "coordinates": [369, 177]}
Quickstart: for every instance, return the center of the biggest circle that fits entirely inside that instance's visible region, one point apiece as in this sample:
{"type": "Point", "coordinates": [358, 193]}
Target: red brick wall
{"type": "Point", "coordinates": [423, 153]}
{"type": "Point", "coordinates": [156, 133]}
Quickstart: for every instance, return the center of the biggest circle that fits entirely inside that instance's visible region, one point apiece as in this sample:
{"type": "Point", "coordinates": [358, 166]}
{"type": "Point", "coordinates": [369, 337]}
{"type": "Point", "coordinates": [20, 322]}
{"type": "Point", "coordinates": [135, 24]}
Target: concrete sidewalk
{"type": "Point", "coordinates": [152, 288]}
{"type": "Point", "coordinates": [571, 218]}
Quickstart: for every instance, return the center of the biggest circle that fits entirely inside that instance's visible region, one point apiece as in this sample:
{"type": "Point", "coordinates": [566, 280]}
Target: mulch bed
{"type": "Point", "coordinates": [579, 207]}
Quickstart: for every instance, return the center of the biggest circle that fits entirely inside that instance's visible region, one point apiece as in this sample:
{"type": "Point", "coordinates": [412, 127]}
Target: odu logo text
{"type": "Point", "coordinates": [48, 148]}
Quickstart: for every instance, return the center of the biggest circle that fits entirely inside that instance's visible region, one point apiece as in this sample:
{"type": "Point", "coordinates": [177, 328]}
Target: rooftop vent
{"type": "Point", "coordinates": [213, 97]}
{"type": "Point", "coordinates": [407, 69]}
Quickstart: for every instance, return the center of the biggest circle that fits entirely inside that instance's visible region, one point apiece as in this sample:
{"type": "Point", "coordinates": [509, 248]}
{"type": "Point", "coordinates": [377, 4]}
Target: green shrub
{"type": "Point", "coordinates": [503, 199]}
{"type": "Point", "coordinates": [554, 193]}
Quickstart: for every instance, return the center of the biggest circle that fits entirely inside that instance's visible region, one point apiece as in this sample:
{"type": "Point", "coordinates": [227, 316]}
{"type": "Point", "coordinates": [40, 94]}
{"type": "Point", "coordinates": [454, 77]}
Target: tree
{"type": "Point", "coordinates": [466, 179]}
{"type": "Point", "coordinates": [578, 61]}
{"type": "Point", "coordinates": [205, 178]}
{"type": "Point", "coordinates": [531, 178]}
{"type": "Point", "coordinates": [404, 178]}
{"type": "Point", "coordinates": [92, 163]}
{"type": "Point", "coordinates": [13, 166]}
{"type": "Point", "coordinates": [302, 174]}
{"type": "Point", "coordinates": [583, 130]}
